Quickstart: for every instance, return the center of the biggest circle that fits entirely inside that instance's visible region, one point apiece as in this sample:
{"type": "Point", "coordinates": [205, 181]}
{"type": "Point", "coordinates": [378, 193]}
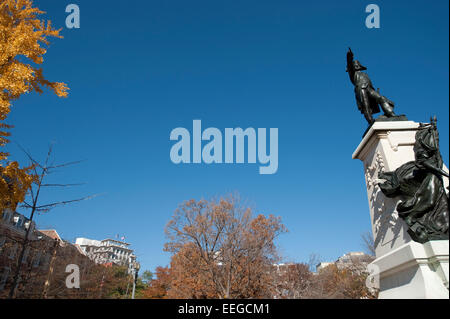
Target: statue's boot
{"type": "Point", "coordinates": [369, 118]}
{"type": "Point", "coordinates": [388, 107]}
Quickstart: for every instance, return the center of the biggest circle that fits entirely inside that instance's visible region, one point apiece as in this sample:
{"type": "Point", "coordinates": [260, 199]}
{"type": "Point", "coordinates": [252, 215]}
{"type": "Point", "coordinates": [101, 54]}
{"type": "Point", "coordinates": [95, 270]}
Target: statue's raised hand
{"type": "Point", "coordinates": [350, 53]}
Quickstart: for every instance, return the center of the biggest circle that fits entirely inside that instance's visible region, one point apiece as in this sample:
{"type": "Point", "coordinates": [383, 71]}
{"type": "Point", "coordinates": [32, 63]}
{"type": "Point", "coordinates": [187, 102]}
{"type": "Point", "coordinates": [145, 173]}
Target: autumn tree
{"type": "Point", "coordinates": [190, 276]}
{"type": "Point", "coordinates": [158, 287]}
{"type": "Point", "coordinates": [24, 39]}
{"type": "Point", "coordinates": [147, 277]}
{"type": "Point", "coordinates": [339, 280]}
{"type": "Point", "coordinates": [115, 282]}
{"type": "Point", "coordinates": [335, 282]}
{"type": "Point", "coordinates": [292, 281]}
{"type": "Point", "coordinates": [221, 250]}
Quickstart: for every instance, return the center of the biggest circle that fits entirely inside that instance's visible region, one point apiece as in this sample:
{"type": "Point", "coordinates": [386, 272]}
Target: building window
{"type": "Point", "coordinates": [37, 259]}
{"type": "Point", "coordinates": [25, 255]}
{"type": "Point", "coordinates": [6, 216]}
{"type": "Point", "coordinates": [13, 252]}
{"type": "Point", "coordinates": [2, 243]}
{"type": "Point", "coordinates": [4, 274]}
{"type": "Point", "coordinates": [16, 220]}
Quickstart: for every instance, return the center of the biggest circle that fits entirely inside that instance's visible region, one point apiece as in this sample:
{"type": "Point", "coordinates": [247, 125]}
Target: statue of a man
{"type": "Point", "coordinates": [367, 98]}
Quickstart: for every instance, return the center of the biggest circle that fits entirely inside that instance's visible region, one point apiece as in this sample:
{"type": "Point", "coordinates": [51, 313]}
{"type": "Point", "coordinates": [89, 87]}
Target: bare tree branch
{"type": "Point", "coordinates": [65, 164]}
{"type": "Point", "coordinates": [34, 207]}
{"type": "Point", "coordinates": [368, 243]}
{"type": "Point", "coordinates": [62, 185]}
{"type": "Point", "coordinates": [52, 205]}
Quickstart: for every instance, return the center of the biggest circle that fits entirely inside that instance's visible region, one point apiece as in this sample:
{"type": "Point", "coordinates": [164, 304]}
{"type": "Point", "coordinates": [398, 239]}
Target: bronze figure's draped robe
{"type": "Point", "coordinates": [425, 204]}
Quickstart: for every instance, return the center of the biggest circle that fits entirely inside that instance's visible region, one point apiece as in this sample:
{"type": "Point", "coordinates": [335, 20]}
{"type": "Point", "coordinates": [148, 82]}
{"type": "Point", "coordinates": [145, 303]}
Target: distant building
{"type": "Point", "coordinates": [13, 227]}
{"type": "Point", "coordinates": [281, 268]}
{"type": "Point", "coordinates": [357, 260]}
{"type": "Point", "coordinates": [43, 246]}
{"type": "Point", "coordinates": [108, 251]}
{"type": "Point", "coordinates": [16, 223]}
{"type": "Point", "coordinates": [323, 265]}
{"type": "Point", "coordinates": [354, 258]}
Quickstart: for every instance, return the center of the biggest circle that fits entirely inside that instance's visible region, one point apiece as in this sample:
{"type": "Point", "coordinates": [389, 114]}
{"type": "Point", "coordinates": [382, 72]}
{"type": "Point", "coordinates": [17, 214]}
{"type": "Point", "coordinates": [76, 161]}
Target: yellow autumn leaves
{"type": "Point", "coordinates": [14, 184]}
{"type": "Point", "coordinates": [23, 37]}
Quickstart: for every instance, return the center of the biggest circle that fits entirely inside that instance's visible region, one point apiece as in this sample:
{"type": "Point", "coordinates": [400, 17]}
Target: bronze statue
{"type": "Point", "coordinates": [424, 202]}
{"type": "Point", "coordinates": [367, 99]}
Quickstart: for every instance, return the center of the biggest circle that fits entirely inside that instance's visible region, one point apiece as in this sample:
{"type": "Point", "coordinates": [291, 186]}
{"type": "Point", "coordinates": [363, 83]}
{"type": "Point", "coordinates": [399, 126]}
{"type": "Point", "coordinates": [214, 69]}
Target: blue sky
{"type": "Point", "coordinates": [139, 71]}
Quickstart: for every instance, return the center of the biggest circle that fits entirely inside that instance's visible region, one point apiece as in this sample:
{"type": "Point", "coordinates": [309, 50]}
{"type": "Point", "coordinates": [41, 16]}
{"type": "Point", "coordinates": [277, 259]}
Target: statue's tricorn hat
{"type": "Point", "coordinates": [357, 66]}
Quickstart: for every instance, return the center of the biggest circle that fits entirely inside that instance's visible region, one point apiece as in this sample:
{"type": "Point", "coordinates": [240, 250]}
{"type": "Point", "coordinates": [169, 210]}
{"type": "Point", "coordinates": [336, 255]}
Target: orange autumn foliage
{"type": "Point", "coordinates": [23, 41]}
{"type": "Point", "coordinates": [190, 277]}
{"type": "Point", "coordinates": [220, 250]}
{"type": "Point", "coordinates": [158, 287]}
{"type": "Point", "coordinates": [343, 283]}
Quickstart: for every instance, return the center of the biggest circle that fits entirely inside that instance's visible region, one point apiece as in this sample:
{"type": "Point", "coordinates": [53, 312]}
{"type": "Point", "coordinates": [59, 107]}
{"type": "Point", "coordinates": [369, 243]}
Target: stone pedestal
{"type": "Point", "coordinates": [414, 271]}
{"type": "Point", "coordinates": [407, 269]}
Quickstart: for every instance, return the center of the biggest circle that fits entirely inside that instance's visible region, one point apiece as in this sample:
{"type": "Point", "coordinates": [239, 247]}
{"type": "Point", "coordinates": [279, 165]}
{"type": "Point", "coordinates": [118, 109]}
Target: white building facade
{"type": "Point", "coordinates": [108, 251]}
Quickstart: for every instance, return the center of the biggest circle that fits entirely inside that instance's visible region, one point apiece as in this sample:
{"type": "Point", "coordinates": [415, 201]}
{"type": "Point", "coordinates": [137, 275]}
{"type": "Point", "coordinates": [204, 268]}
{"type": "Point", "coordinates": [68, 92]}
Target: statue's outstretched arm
{"type": "Point", "coordinates": [436, 170]}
